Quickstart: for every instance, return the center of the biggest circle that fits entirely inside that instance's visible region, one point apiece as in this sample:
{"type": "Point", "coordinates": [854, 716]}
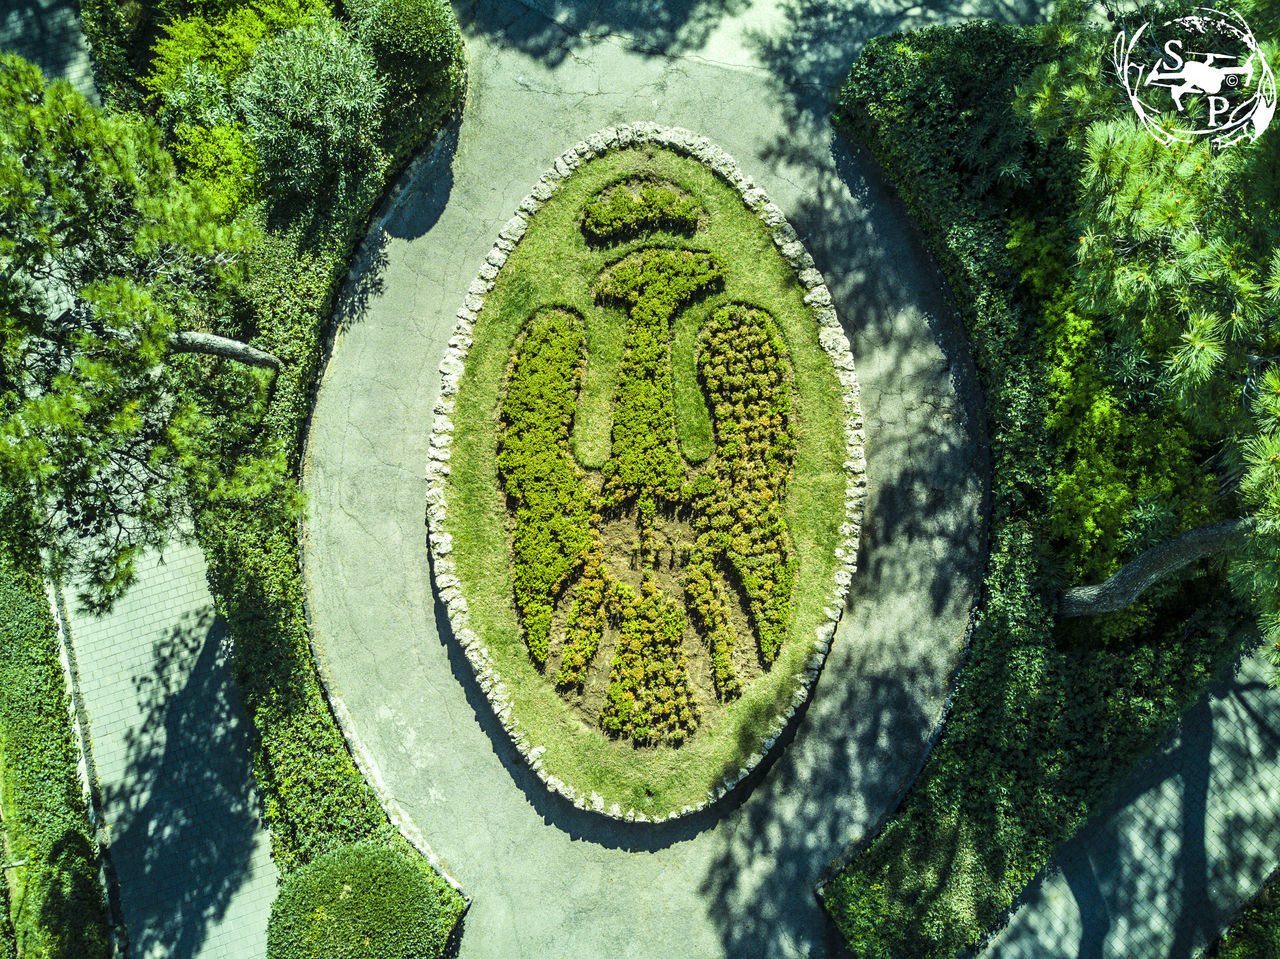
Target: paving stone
{"type": "Point", "coordinates": [170, 743]}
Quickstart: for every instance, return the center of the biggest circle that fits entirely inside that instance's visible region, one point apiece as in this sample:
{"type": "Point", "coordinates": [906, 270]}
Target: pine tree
{"type": "Point", "coordinates": [110, 266]}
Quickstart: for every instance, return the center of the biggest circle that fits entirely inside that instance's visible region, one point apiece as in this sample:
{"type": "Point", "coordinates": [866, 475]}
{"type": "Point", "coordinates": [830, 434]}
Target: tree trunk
{"type": "Point", "coordinates": [221, 346]}
{"type": "Point", "coordinates": [1133, 578]}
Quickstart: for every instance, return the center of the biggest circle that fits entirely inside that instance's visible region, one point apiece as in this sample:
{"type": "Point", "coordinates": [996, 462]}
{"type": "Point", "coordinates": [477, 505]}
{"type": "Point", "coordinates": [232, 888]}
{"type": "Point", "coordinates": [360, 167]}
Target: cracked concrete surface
{"type": "Point", "coordinates": [548, 880]}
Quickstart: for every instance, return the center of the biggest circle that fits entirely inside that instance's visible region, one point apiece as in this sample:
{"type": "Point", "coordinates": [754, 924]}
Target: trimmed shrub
{"type": "Point", "coordinates": [310, 99]}
{"type": "Point", "coordinates": [415, 42]}
{"type": "Point", "coordinates": [57, 907]}
{"type": "Point", "coordinates": [553, 510]}
{"type": "Point", "coordinates": [637, 206]}
{"type": "Point", "coordinates": [363, 901]}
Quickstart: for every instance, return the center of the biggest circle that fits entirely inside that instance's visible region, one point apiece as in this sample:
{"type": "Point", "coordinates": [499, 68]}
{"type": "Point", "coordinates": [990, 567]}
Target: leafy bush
{"type": "Point", "coordinates": [637, 206]}
{"type": "Point", "coordinates": [651, 285]}
{"type": "Point", "coordinates": [1043, 723]}
{"type": "Point", "coordinates": [735, 508]}
{"type": "Point", "coordinates": [362, 901]}
{"type": "Point", "coordinates": [310, 99]}
{"type": "Point", "coordinates": [649, 697]}
{"type": "Point", "coordinates": [58, 910]}
{"type": "Point", "coordinates": [415, 42]}
{"type": "Point", "coordinates": [553, 509]}
{"type": "Point", "coordinates": [314, 796]}
{"type": "Point", "coordinates": [745, 374]}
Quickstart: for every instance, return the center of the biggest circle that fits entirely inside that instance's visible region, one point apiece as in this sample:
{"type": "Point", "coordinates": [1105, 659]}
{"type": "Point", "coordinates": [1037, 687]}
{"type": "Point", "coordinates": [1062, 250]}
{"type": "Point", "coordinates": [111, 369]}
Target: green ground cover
{"type": "Point", "coordinates": [299, 117]}
{"type": "Point", "coordinates": [54, 898]}
{"type": "Point", "coordinates": [1256, 932]}
{"type": "Point", "coordinates": [650, 316]}
{"type": "Point", "coordinates": [1086, 472]}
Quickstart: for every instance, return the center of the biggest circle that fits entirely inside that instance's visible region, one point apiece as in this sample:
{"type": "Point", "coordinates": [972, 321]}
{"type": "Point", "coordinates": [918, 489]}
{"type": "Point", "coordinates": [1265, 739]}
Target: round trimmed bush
{"type": "Point", "coordinates": [310, 101]}
{"type": "Point", "coordinates": [414, 41]}
{"type": "Point", "coordinates": [363, 901]}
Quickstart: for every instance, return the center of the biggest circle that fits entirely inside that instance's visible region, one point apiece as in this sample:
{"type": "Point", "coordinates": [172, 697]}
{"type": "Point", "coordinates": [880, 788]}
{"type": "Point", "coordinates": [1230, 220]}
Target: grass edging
{"type": "Point", "coordinates": [831, 338]}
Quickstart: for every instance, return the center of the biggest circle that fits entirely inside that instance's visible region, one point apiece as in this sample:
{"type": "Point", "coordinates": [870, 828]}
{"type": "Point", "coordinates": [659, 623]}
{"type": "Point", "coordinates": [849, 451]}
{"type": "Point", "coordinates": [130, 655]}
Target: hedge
{"type": "Point", "coordinates": [1045, 720]}
{"type": "Point", "coordinates": [358, 894]}
{"type": "Point", "coordinates": [315, 799]}
{"type": "Point", "coordinates": [58, 907]}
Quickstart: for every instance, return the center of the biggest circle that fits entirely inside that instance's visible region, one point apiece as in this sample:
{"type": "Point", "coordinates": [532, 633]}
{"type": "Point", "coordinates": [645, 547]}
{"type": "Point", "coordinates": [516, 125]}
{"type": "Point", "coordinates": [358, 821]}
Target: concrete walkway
{"type": "Point", "coordinates": [1161, 871]}
{"type": "Point", "coordinates": [47, 32]}
{"type": "Point", "coordinates": [547, 880]}
{"type": "Point", "coordinates": [170, 742]}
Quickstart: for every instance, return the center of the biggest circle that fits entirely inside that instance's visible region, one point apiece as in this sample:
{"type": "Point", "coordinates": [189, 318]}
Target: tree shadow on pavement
{"type": "Point", "coordinates": [183, 815]}
{"type": "Point", "coordinates": [554, 30]}
{"type": "Point", "coordinates": [1162, 868]}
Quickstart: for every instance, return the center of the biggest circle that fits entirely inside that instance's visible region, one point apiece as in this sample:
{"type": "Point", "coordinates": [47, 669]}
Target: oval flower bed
{"type": "Point", "coordinates": [645, 484]}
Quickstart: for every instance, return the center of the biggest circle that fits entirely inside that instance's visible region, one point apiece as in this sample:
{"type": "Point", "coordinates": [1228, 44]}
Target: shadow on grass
{"type": "Point", "coordinates": [183, 813]}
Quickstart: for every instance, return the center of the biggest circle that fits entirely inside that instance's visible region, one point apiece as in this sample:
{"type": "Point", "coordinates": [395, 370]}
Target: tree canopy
{"type": "Point", "coordinates": [1177, 252]}
{"type": "Point", "coordinates": [109, 265]}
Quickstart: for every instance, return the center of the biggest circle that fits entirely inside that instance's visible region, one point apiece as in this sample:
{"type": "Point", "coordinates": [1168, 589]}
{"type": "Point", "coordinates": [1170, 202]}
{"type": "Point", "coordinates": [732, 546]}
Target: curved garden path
{"type": "Point", "coordinates": [548, 880]}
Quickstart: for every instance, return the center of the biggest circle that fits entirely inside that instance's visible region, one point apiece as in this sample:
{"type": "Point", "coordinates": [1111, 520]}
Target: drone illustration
{"type": "Point", "coordinates": [1198, 76]}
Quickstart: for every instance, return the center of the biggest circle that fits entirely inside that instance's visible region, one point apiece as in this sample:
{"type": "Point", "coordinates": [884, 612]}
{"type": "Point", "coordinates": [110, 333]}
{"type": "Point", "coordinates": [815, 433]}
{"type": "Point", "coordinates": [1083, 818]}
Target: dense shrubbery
{"type": "Point", "coordinates": [415, 42]}
{"type": "Point", "coordinates": [743, 368]}
{"type": "Point", "coordinates": [739, 548]}
{"type": "Point", "coordinates": [553, 509]}
{"type": "Point", "coordinates": [1044, 720]}
{"type": "Point", "coordinates": [645, 467]}
{"type": "Point", "coordinates": [310, 99]}
{"type": "Point", "coordinates": [363, 901]}
{"type": "Point", "coordinates": [637, 206]}
{"type": "Point", "coordinates": [649, 698]}
{"type": "Point", "coordinates": [215, 70]}
{"type": "Point", "coordinates": [58, 911]}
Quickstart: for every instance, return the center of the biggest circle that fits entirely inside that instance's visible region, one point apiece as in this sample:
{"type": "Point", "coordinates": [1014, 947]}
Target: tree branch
{"type": "Point", "coordinates": [1135, 577]}
{"type": "Point", "coordinates": [221, 346]}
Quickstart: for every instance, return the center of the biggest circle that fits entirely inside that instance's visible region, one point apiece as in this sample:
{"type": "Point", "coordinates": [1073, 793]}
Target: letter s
{"type": "Point", "coordinates": [1176, 58]}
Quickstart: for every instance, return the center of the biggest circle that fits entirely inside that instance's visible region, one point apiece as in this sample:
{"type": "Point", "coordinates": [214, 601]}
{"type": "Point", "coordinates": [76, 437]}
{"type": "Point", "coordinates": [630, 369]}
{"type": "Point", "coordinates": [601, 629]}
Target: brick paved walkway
{"type": "Point", "coordinates": [1161, 871]}
{"type": "Point", "coordinates": [47, 32]}
{"type": "Point", "coordinates": [169, 738]}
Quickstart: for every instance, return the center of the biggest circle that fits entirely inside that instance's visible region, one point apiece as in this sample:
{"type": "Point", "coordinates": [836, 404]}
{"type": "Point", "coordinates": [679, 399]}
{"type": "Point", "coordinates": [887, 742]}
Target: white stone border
{"type": "Point", "coordinates": [830, 335]}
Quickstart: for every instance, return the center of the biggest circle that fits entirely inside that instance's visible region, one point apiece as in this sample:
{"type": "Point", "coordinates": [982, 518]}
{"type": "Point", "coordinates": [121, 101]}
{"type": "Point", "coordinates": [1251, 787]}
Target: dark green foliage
{"type": "Point", "coordinates": [651, 285]}
{"type": "Point", "coordinates": [636, 206]}
{"type": "Point", "coordinates": [588, 619]}
{"type": "Point", "coordinates": [363, 901]}
{"type": "Point", "coordinates": [120, 34]}
{"type": "Point", "coordinates": [746, 377]}
{"type": "Point", "coordinates": [1043, 722]}
{"type": "Point", "coordinates": [552, 507]}
{"type": "Point", "coordinates": [415, 42]}
{"type": "Point", "coordinates": [58, 912]}
{"type": "Point", "coordinates": [8, 938]}
{"type": "Point", "coordinates": [244, 496]}
{"type": "Point", "coordinates": [310, 99]}
{"type": "Point", "coordinates": [1256, 932]}
{"type": "Point", "coordinates": [649, 698]}
{"type": "Point", "coordinates": [107, 253]}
